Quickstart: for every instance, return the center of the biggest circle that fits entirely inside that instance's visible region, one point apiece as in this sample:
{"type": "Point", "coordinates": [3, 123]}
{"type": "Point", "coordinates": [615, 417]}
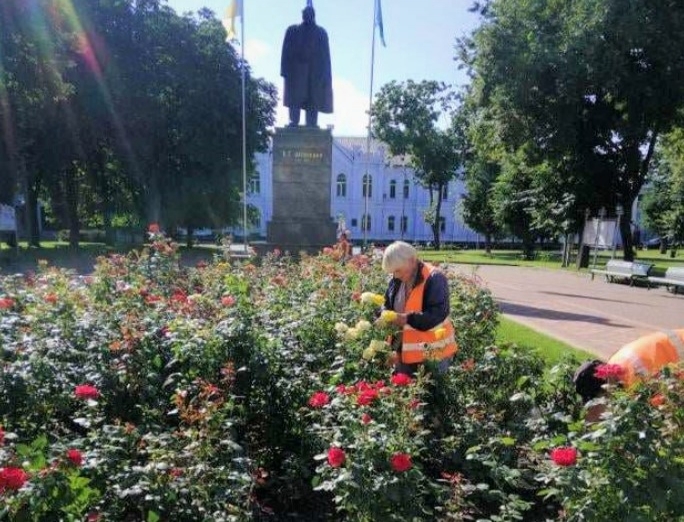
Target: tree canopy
{"type": "Point", "coordinates": [122, 110]}
{"type": "Point", "coordinates": [579, 92]}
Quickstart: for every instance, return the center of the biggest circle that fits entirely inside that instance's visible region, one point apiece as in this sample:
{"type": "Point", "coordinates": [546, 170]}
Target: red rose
{"type": "Point", "coordinates": [176, 472]}
{"type": "Point", "coordinates": [657, 400]}
{"type": "Point", "coordinates": [565, 456]}
{"type": "Point", "coordinates": [75, 457]}
{"type": "Point", "coordinates": [2, 436]}
{"type": "Point", "coordinates": [151, 299]}
{"type": "Point", "coordinates": [6, 303]}
{"type": "Point", "coordinates": [363, 386]}
{"type": "Point", "coordinates": [336, 457]}
{"type": "Point", "coordinates": [94, 516]}
{"type": "Point", "coordinates": [401, 379]}
{"type": "Point", "coordinates": [12, 478]}
{"type": "Point", "coordinates": [86, 391]}
{"type": "Point", "coordinates": [365, 418]}
{"type": "Point", "coordinates": [51, 298]}
{"type": "Point", "coordinates": [153, 228]}
{"type": "Point", "coordinates": [366, 397]}
{"type": "Point", "coordinates": [179, 296]}
{"type": "Point", "coordinates": [227, 300]}
{"type": "Point", "coordinates": [415, 403]}
{"type": "Point", "coordinates": [401, 462]}
{"type": "Point", "coordinates": [319, 399]}
{"type": "Point", "coordinates": [608, 372]}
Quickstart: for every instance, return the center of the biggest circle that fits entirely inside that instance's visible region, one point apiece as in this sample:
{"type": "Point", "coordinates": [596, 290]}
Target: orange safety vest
{"type": "Point", "coordinates": [418, 345]}
{"type": "Point", "coordinates": [649, 354]}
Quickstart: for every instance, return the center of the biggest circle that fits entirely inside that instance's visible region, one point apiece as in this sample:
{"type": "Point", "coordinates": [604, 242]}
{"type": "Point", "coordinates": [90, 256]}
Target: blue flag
{"type": "Point", "coordinates": [378, 21]}
{"type": "Point", "coordinates": [309, 3]}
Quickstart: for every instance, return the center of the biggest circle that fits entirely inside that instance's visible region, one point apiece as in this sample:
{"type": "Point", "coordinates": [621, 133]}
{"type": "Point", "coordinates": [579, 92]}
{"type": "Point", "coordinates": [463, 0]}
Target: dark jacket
{"type": "Point", "coordinates": [435, 300]}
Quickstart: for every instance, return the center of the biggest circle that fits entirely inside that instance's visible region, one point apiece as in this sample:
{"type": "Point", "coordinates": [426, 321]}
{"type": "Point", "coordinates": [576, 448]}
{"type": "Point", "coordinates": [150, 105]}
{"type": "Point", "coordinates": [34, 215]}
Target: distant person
{"type": "Point", "coordinates": [343, 248]}
{"type": "Point", "coordinates": [419, 294]}
{"type": "Point", "coordinates": [636, 236]}
{"type": "Point", "coordinates": [637, 360]}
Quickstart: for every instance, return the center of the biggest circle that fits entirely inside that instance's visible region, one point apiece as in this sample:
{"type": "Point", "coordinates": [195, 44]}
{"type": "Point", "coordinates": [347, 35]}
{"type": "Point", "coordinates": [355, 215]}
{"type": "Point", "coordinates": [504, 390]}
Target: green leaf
{"type": "Point", "coordinates": [152, 516]}
{"type": "Point", "coordinates": [507, 441]}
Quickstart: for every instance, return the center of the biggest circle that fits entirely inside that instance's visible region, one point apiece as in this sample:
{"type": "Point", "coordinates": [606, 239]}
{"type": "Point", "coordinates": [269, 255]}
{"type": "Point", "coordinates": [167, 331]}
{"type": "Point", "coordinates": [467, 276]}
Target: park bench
{"type": "Point", "coordinates": [624, 270]}
{"type": "Point", "coordinates": [673, 280]}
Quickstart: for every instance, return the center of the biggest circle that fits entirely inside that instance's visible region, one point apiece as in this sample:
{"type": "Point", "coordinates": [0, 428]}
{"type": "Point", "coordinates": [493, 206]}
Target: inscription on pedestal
{"type": "Point", "coordinates": [302, 168]}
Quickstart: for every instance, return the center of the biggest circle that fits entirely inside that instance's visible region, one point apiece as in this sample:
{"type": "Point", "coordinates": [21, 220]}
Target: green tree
{"type": "Point", "coordinates": [407, 116]}
{"type": "Point", "coordinates": [586, 87]}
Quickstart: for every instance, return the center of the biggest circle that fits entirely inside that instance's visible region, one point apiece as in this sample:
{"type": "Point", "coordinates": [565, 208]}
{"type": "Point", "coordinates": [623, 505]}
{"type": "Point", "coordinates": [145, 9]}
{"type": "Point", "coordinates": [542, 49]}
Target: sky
{"type": "Point", "coordinates": [420, 37]}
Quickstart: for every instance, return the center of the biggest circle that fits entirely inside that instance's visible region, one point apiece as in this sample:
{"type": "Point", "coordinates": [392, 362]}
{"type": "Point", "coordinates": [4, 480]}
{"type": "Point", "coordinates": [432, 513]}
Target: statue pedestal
{"type": "Point", "coordinates": [302, 170]}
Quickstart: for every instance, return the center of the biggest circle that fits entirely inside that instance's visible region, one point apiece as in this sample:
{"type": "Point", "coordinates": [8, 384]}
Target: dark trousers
{"type": "Point", "coordinates": [311, 117]}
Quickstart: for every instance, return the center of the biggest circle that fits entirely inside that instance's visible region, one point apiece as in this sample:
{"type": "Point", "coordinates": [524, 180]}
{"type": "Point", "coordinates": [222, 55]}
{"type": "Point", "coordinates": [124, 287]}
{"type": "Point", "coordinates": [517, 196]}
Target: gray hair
{"type": "Point", "coordinates": [397, 255]}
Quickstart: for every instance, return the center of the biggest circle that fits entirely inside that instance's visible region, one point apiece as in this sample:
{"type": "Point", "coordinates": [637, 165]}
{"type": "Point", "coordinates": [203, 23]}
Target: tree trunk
{"type": "Point", "coordinates": [188, 237]}
{"type": "Point", "coordinates": [107, 223]}
{"type": "Point", "coordinates": [438, 213]}
{"type": "Point", "coordinates": [488, 243]}
{"type": "Point", "coordinates": [626, 230]}
{"type": "Point", "coordinates": [32, 212]}
{"type": "Point", "coordinates": [71, 191]}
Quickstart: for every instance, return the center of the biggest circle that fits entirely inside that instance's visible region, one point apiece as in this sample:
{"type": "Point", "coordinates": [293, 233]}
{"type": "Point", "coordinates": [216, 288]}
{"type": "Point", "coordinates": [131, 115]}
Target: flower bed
{"type": "Point", "coordinates": [148, 391]}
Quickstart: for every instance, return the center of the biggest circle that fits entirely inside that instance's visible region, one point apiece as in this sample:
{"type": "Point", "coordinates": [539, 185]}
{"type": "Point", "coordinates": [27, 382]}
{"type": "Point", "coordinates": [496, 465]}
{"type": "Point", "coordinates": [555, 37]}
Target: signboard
{"type": "Point", "coordinates": [8, 219]}
{"type": "Point", "coordinates": [600, 233]}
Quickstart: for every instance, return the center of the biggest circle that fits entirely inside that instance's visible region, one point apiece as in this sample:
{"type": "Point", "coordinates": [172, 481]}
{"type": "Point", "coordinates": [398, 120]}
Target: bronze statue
{"type": "Point", "coordinates": [305, 65]}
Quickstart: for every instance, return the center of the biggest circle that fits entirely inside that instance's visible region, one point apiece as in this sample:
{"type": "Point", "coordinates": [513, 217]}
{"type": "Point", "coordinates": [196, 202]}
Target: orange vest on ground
{"type": "Point", "coordinates": [417, 345]}
{"type": "Point", "coordinates": [649, 354]}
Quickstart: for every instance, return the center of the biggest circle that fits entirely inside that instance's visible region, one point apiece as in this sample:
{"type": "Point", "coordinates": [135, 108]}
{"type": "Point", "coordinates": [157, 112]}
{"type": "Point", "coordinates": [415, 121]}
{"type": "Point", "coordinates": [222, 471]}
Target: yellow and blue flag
{"type": "Point", "coordinates": [234, 10]}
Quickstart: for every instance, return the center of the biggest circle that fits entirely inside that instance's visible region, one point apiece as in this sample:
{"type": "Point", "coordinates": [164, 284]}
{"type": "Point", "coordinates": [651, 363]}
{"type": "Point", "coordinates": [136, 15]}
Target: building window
{"type": "Point", "coordinates": [442, 224]}
{"type": "Point", "coordinates": [404, 224]}
{"type": "Point", "coordinates": [341, 186]}
{"type": "Point", "coordinates": [390, 223]}
{"type": "Point", "coordinates": [393, 189]}
{"type": "Point", "coordinates": [445, 192]}
{"type": "Point", "coordinates": [253, 217]}
{"type": "Point", "coordinates": [366, 222]}
{"type": "Point", "coordinates": [255, 185]}
{"type": "Point", "coordinates": [406, 189]}
{"type": "Point", "coordinates": [354, 223]}
{"type": "Point", "coordinates": [367, 186]}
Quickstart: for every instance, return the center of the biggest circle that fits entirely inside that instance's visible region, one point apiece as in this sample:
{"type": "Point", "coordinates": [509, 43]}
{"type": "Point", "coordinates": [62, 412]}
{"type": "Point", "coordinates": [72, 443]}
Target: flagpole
{"type": "Point", "coordinates": [244, 127]}
{"type": "Point", "coordinates": [367, 187]}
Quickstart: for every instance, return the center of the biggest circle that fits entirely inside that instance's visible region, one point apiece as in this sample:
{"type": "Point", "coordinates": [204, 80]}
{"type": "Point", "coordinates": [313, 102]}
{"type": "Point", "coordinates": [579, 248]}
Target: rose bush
{"type": "Point", "coordinates": [231, 391]}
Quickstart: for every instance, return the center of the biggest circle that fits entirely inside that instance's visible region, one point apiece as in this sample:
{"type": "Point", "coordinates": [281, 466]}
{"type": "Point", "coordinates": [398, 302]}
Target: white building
{"type": "Point", "coordinates": [395, 201]}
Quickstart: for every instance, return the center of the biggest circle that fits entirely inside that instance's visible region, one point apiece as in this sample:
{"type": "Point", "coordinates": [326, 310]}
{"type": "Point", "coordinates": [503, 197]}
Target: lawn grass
{"type": "Point", "coordinates": [551, 350]}
{"type": "Point", "coordinates": [544, 259]}
{"type": "Point", "coordinates": [82, 259]}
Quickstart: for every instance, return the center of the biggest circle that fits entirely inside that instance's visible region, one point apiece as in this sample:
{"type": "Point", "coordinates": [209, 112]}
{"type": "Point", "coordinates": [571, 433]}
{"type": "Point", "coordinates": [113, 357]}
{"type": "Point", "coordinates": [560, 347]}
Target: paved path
{"type": "Point", "coordinates": [596, 316]}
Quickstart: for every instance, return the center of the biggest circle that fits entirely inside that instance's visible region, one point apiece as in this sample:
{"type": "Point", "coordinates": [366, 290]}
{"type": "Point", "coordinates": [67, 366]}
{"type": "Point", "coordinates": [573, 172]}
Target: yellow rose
{"type": "Point", "coordinates": [377, 346]}
{"type": "Point", "coordinates": [371, 298]}
{"type": "Point", "coordinates": [368, 353]}
{"type": "Point", "coordinates": [351, 334]}
{"type": "Point", "coordinates": [340, 328]}
{"type": "Point", "coordinates": [363, 325]}
{"type": "Point", "coordinates": [388, 316]}
{"type": "Point", "coordinates": [440, 333]}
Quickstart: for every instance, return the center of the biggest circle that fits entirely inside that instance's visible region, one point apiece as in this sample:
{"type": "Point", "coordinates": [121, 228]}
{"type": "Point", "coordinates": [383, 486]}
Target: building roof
{"type": "Point", "coordinates": [357, 145]}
